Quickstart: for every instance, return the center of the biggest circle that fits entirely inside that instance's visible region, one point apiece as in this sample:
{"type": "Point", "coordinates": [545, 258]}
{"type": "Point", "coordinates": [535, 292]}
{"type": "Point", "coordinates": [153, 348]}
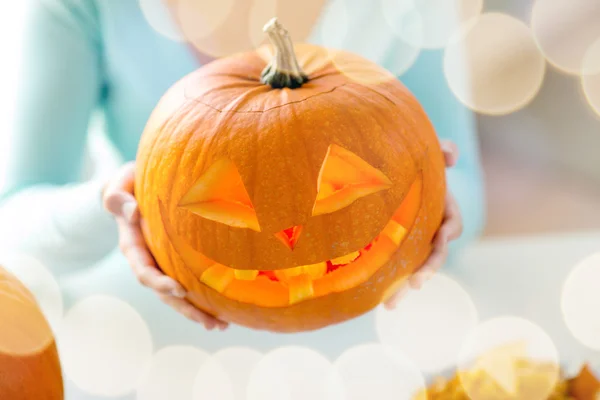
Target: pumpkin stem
{"type": "Point", "coordinates": [283, 71]}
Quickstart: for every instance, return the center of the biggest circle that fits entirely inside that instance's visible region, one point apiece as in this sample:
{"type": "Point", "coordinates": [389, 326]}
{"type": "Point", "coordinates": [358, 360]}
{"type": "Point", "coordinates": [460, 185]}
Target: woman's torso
{"type": "Point", "coordinates": [143, 53]}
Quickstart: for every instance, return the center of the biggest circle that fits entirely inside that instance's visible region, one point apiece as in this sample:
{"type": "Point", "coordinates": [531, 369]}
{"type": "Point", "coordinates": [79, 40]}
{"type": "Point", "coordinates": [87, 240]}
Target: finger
{"type": "Point", "coordinates": [185, 308]}
{"type": "Point", "coordinates": [123, 181]}
{"type": "Point", "coordinates": [392, 302]}
{"type": "Point", "coordinates": [118, 195]}
{"type": "Point", "coordinates": [122, 205]}
{"type": "Point", "coordinates": [450, 150]}
{"type": "Point", "coordinates": [434, 263]}
{"type": "Point", "coordinates": [452, 226]}
{"type": "Point", "coordinates": [142, 263]}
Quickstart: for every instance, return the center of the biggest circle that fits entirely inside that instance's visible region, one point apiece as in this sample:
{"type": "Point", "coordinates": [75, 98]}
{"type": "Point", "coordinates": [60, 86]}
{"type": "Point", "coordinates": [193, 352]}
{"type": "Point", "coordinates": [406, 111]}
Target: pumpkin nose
{"type": "Point", "coordinates": [289, 237]}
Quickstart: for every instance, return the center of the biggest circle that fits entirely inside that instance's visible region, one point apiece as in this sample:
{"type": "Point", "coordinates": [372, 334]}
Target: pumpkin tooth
{"type": "Point", "coordinates": [284, 275]}
{"type": "Point", "coordinates": [395, 232]}
{"type": "Point", "coordinates": [217, 277]}
{"type": "Point", "coordinates": [315, 271]}
{"type": "Point", "coordinates": [301, 288]}
{"type": "Point", "coordinates": [347, 259]}
{"type": "Point", "coordinates": [292, 272]}
{"type": "Point", "coordinates": [246, 274]}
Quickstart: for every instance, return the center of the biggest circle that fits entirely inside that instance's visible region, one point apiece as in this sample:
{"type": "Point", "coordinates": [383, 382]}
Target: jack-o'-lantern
{"type": "Point", "coordinates": [289, 192]}
{"type": "Point", "coordinates": [29, 362]}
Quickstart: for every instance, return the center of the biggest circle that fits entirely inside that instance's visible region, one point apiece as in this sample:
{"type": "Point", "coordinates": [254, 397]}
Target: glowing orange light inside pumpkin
{"type": "Point", "coordinates": [220, 195]}
{"type": "Point", "coordinates": [344, 178]}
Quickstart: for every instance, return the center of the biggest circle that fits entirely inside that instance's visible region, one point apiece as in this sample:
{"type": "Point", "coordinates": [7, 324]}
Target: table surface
{"type": "Point", "coordinates": [520, 278]}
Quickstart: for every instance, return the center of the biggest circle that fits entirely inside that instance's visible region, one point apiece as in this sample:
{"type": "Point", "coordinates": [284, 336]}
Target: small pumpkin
{"type": "Point", "coordinates": [292, 189]}
{"type": "Point", "coordinates": [30, 367]}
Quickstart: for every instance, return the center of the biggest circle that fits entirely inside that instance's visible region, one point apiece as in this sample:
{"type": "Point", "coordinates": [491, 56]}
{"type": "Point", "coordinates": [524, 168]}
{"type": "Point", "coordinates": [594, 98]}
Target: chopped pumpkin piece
{"type": "Point", "coordinates": [585, 386]}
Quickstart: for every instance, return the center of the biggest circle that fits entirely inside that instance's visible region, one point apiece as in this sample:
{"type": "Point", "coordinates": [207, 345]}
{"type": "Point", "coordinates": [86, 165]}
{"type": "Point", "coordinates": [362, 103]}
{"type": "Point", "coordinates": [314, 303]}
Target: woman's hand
{"type": "Point", "coordinates": [451, 229]}
{"type": "Point", "coordinates": [119, 200]}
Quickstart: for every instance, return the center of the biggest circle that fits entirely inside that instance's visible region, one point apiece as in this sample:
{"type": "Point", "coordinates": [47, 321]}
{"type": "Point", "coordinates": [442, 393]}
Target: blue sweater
{"type": "Point", "coordinates": [83, 56]}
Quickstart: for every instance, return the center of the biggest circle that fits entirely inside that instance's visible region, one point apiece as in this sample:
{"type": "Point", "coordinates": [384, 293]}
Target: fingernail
{"type": "Point", "coordinates": [390, 305]}
{"type": "Point", "coordinates": [416, 282]}
{"type": "Point", "coordinates": [209, 325]}
{"type": "Point", "coordinates": [178, 293]}
{"type": "Point", "coordinates": [128, 210]}
{"type": "Point", "coordinates": [402, 292]}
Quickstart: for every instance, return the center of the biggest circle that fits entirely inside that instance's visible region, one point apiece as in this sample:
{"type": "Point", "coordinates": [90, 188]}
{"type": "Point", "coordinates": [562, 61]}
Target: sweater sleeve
{"type": "Point", "coordinates": [452, 121]}
{"type": "Point", "coordinates": [46, 210]}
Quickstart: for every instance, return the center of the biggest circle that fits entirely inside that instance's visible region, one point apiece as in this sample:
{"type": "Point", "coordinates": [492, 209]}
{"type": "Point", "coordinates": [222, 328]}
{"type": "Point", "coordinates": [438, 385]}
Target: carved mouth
{"type": "Point", "coordinates": [285, 287]}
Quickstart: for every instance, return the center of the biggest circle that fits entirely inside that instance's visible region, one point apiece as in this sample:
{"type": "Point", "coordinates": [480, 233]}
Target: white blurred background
{"type": "Point", "coordinates": [542, 162]}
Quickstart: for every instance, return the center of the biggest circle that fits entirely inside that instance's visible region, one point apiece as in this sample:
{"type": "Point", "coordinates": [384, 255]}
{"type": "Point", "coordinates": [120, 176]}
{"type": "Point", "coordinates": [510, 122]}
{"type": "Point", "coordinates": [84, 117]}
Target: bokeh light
{"type": "Point", "coordinates": [171, 373]}
{"type": "Point", "coordinates": [495, 67]}
{"type": "Point", "coordinates": [374, 371]}
{"type": "Point", "coordinates": [159, 17]}
{"type": "Point", "coordinates": [105, 346]}
{"type": "Point", "coordinates": [429, 325]}
{"type": "Point", "coordinates": [363, 42]}
{"type": "Point", "coordinates": [215, 28]}
{"type": "Point", "coordinates": [301, 18]}
{"type": "Point", "coordinates": [591, 81]}
{"type": "Point", "coordinates": [429, 24]}
{"type": "Point", "coordinates": [498, 348]}
{"type": "Point", "coordinates": [260, 13]}
{"type": "Point", "coordinates": [354, 67]}
{"type": "Point", "coordinates": [580, 301]}
{"type": "Point", "coordinates": [564, 31]}
{"type": "Point", "coordinates": [291, 373]}
{"type": "Point", "coordinates": [40, 281]}
{"type": "Point", "coordinates": [205, 16]}
{"type": "Point", "coordinates": [226, 374]}
{"type": "Point", "coordinates": [334, 25]}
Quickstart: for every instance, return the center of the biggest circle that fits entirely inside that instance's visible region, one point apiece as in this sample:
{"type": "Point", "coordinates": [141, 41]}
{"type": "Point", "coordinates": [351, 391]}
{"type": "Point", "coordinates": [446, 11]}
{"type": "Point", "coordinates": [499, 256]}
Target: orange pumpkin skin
{"type": "Point", "coordinates": [29, 362]}
{"type": "Point", "coordinates": [278, 140]}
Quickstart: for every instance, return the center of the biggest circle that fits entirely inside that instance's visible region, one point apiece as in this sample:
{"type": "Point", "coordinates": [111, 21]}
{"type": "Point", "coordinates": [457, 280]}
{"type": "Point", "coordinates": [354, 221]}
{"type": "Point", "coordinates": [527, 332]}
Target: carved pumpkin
{"type": "Point", "coordinates": [293, 194]}
{"type": "Point", "coordinates": [29, 362]}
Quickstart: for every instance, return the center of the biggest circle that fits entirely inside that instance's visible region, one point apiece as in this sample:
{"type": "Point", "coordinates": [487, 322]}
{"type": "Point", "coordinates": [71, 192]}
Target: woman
{"type": "Point", "coordinates": [83, 56]}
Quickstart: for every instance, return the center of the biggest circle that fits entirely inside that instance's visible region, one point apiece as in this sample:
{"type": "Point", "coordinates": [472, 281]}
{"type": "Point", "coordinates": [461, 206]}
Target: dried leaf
{"type": "Point", "coordinates": [585, 386]}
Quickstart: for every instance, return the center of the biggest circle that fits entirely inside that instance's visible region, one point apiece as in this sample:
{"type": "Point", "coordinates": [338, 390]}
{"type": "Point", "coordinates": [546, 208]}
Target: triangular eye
{"type": "Point", "coordinates": [219, 195]}
{"type": "Point", "coordinates": [343, 179]}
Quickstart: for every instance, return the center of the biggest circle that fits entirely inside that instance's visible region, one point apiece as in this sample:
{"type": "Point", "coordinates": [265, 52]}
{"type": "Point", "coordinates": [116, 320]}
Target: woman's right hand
{"type": "Point", "coordinates": [119, 200]}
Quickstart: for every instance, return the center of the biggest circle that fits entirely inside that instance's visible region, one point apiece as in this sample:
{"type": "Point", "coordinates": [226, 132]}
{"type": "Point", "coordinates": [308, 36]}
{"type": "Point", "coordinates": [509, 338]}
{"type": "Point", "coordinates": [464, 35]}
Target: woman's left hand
{"type": "Point", "coordinates": [451, 229]}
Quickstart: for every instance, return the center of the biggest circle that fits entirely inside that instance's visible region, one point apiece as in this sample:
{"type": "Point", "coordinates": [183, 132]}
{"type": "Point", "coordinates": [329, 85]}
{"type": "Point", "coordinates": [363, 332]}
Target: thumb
{"type": "Point", "coordinates": [118, 198]}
